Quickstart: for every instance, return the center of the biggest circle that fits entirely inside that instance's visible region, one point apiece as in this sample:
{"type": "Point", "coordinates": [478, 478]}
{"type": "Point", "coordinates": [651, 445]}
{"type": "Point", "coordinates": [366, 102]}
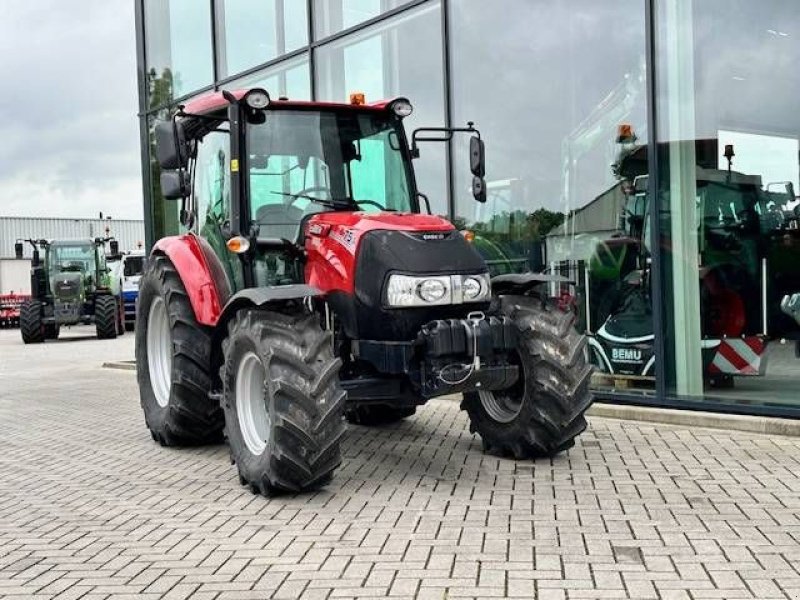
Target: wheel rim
{"type": "Point", "coordinates": [251, 406]}
{"type": "Point", "coordinates": [159, 351]}
{"type": "Point", "coordinates": [505, 405]}
{"type": "Point", "coordinates": [502, 407]}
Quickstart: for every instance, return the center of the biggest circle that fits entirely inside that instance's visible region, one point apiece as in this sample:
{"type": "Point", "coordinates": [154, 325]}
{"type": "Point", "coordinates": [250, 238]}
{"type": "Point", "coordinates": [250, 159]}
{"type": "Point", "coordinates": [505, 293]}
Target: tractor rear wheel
{"type": "Point", "coordinates": [173, 362]}
{"type": "Point", "coordinates": [543, 413]}
{"type": "Point", "coordinates": [378, 414]}
{"type": "Point", "coordinates": [105, 317]}
{"type": "Point", "coordinates": [31, 325]}
{"type": "Point", "coordinates": [282, 400]}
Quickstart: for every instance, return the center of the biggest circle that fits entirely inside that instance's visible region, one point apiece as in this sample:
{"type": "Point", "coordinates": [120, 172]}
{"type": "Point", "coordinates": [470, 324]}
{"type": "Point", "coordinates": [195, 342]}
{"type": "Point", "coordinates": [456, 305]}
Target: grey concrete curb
{"type": "Point", "coordinates": [121, 365]}
{"type": "Point", "coordinates": [694, 418]}
{"type": "Point", "coordinates": [689, 418]}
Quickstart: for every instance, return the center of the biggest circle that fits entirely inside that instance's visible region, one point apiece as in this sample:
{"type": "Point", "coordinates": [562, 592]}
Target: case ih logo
{"type": "Point", "coordinates": [433, 236]}
{"type": "Point", "coordinates": [626, 355]}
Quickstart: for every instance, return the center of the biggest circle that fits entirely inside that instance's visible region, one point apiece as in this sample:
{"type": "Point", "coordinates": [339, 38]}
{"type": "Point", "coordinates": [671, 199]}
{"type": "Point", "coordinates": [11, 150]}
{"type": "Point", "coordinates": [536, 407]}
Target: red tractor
{"type": "Point", "coordinates": [309, 287]}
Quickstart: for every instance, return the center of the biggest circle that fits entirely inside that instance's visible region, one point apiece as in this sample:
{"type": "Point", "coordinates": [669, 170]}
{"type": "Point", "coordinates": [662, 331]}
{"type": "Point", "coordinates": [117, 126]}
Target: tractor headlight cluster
{"type": "Point", "coordinates": [411, 291]}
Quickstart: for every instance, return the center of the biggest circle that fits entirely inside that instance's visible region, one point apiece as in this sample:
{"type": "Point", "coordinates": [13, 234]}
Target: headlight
{"type": "Point", "coordinates": [472, 288]}
{"type": "Point", "coordinates": [407, 290]}
{"type": "Point", "coordinates": [432, 290]}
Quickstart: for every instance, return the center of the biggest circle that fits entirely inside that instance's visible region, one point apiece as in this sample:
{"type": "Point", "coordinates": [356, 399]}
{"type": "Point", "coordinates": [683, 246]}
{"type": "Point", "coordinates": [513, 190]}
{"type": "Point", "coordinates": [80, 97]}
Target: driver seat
{"type": "Point", "coordinates": [279, 221]}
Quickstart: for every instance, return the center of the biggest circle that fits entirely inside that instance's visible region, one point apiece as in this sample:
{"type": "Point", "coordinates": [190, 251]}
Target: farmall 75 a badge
{"type": "Point", "coordinates": [346, 237]}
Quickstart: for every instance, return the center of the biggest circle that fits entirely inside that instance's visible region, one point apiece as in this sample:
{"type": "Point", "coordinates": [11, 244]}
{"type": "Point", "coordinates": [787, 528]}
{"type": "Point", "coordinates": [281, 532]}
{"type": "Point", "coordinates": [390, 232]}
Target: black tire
{"type": "Point", "coordinates": [543, 413]}
{"type": "Point", "coordinates": [120, 317]}
{"type": "Point", "coordinates": [378, 414]}
{"type": "Point", "coordinates": [189, 416]}
{"type": "Point", "coordinates": [304, 400]}
{"type": "Point", "coordinates": [106, 317]}
{"type": "Point", "coordinates": [31, 325]}
{"type": "Point", "coordinates": [51, 331]}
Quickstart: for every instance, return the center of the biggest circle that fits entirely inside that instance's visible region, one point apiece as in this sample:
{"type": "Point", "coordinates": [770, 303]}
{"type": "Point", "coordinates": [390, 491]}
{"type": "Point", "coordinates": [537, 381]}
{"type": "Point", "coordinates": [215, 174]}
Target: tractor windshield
{"type": "Point", "coordinates": [72, 257]}
{"type": "Point", "coordinates": [303, 162]}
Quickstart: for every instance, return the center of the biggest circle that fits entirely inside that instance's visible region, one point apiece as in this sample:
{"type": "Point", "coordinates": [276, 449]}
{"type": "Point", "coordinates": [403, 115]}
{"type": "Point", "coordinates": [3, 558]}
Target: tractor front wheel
{"type": "Point", "coordinates": [543, 413]}
{"type": "Point", "coordinates": [282, 400]}
{"type": "Point", "coordinates": [31, 325]}
{"type": "Point", "coordinates": [106, 317]}
{"type": "Point", "coordinates": [173, 362]}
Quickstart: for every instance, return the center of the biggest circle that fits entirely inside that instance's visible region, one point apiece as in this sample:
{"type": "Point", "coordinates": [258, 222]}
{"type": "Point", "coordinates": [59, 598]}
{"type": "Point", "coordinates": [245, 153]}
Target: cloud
{"type": "Point", "coordinates": [69, 134]}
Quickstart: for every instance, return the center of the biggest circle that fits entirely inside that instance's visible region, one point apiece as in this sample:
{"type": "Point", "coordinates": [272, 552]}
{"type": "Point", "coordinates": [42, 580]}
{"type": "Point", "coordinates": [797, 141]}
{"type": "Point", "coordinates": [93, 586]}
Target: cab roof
{"type": "Point", "coordinates": [214, 101]}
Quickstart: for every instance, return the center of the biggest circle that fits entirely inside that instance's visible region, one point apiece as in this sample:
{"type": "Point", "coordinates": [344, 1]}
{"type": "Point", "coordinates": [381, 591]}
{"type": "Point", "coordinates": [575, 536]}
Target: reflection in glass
{"type": "Point", "coordinates": [728, 149]}
{"type": "Point", "coordinates": [400, 57]}
{"type": "Point", "coordinates": [560, 99]}
{"type": "Point", "coordinates": [251, 32]}
{"type": "Point", "coordinates": [178, 49]}
{"type": "Point", "coordinates": [290, 79]}
{"type": "Point", "coordinates": [331, 16]}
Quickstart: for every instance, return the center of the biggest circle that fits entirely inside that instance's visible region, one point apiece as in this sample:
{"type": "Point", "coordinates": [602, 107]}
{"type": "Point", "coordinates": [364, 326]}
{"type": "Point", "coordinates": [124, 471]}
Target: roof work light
{"type": "Point", "coordinates": [257, 99]}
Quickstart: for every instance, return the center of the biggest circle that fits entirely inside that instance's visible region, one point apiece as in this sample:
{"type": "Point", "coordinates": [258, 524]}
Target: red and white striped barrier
{"type": "Point", "coordinates": [739, 356]}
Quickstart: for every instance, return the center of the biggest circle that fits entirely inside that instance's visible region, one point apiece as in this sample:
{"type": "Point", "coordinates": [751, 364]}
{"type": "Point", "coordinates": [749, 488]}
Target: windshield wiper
{"type": "Point", "coordinates": [330, 203]}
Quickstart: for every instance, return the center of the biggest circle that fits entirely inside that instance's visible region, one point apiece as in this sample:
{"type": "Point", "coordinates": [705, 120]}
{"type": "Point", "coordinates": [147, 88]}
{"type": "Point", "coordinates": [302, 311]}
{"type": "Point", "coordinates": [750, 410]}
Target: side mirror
{"type": "Point", "coordinates": [174, 185]}
{"type": "Point", "coordinates": [18, 250]}
{"type": "Point", "coordinates": [114, 244]}
{"type": "Point", "coordinates": [479, 189]}
{"type": "Point", "coordinates": [172, 151]}
{"type": "Point", "coordinates": [35, 261]}
{"type": "Point", "coordinates": [477, 156]}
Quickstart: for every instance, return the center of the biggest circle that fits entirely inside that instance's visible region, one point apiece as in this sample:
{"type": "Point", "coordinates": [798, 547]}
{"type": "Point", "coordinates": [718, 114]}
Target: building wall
{"type": "Point", "coordinates": [562, 92]}
{"type": "Point", "coordinates": [15, 276]}
{"type": "Point", "coordinates": [129, 233]}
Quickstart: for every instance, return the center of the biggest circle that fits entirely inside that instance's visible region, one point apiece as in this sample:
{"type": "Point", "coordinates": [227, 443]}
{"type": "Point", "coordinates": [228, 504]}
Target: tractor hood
{"type": "Point", "coordinates": [67, 285]}
{"type": "Point", "coordinates": [352, 255]}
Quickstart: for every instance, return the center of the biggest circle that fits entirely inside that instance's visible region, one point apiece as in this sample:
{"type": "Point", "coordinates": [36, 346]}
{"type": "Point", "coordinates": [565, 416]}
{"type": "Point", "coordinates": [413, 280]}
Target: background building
{"type": "Point", "coordinates": [671, 123]}
{"type": "Point", "coordinates": [15, 274]}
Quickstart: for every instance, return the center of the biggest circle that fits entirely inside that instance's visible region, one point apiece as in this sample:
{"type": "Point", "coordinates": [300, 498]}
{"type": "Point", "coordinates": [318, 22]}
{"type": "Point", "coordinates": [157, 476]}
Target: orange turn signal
{"type": "Point", "coordinates": [358, 98]}
{"type": "Point", "coordinates": [468, 235]}
{"type": "Point", "coordinates": [238, 244]}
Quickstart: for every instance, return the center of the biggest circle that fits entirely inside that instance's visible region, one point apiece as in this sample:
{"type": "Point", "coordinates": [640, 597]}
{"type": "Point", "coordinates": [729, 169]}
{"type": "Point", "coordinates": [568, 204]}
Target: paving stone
{"type": "Point", "coordinates": [91, 508]}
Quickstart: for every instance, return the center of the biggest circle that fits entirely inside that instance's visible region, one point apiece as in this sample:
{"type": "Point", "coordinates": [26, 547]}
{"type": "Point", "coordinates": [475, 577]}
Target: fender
{"type": "Point", "coordinates": [262, 296]}
{"type": "Point", "coordinates": [202, 275]}
{"type": "Point", "coordinates": [518, 283]}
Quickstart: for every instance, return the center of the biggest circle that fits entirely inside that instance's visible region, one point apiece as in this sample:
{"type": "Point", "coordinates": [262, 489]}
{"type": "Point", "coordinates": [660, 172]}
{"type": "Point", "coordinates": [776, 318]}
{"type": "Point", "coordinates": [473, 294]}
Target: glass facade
{"type": "Point", "coordinates": [631, 147]}
{"type": "Point", "coordinates": [728, 131]}
{"type": "Point", "coordinates": [251, 32]}
{"type": "Point", "coordinates": [178, 49]}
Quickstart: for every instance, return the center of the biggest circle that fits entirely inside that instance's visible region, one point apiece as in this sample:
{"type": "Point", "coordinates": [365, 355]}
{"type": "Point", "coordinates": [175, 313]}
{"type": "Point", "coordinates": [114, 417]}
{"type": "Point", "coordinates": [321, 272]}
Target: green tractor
{"type": "Point", "coordinates": [72, 284]}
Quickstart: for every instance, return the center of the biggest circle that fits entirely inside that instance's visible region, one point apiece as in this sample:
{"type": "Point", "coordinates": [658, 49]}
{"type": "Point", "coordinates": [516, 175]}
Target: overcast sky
{"type": "Point", "coordinates": [69, 143]}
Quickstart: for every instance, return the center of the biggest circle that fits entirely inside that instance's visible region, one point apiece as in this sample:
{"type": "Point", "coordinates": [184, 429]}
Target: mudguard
{"type": "Point", "coordinates": [201, 274]}
{"type": "Point", "coordinates": [267, 295]}
{"type": "Point", "coordinates": [517, 283]}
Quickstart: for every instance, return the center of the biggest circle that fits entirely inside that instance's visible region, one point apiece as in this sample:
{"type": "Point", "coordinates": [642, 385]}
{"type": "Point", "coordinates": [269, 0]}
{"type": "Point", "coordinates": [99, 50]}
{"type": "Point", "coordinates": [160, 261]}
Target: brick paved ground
{"type": "Point", "coordinates": [90, 507]}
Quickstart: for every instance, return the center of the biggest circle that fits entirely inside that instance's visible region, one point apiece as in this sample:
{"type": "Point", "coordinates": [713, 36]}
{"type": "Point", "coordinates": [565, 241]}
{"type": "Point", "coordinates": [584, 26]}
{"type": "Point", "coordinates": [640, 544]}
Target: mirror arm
{"type": "Point", "coordinates": [416, 135]}
{"type": "Point", "coordinates": [427, 202]}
